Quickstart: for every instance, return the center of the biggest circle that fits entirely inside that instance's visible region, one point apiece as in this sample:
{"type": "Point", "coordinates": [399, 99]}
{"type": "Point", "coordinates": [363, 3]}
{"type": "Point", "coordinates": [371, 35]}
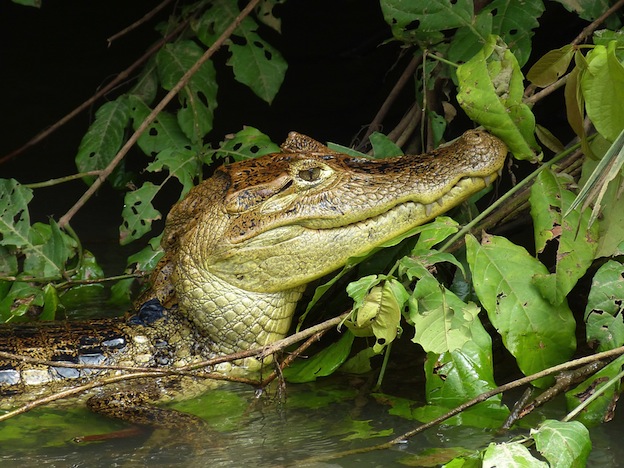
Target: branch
{"type": "Point", "coordinates": [124, 75]}
{"type": "Point", "coordinates": [152, 116]}
{"type": "Point", "coordinates": [479, 399]}
{"type": "Point", "coordinates": [148, 16]}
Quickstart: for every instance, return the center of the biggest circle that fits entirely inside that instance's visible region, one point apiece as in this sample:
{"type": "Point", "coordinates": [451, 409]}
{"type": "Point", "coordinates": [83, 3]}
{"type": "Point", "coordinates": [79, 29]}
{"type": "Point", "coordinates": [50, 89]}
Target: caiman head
{"type": "Point", "coordinates": [243, 244]}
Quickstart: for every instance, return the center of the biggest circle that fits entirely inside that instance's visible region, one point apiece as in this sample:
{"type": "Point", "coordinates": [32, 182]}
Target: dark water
{"type": "Point", "coordinates": [312, 426]}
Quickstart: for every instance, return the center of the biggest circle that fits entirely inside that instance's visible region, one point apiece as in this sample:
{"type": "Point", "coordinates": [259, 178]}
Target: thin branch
{"type": "Point", "coordinates": [148, 16]}
{"type": "Point", "coordinates": [159, 108]}
{"type": "Point", "coordinates": [121, 77]}
{"type": "Point", "coordinates": [392, 96]}
{"type": "Point", "coordinates": [597, 22]}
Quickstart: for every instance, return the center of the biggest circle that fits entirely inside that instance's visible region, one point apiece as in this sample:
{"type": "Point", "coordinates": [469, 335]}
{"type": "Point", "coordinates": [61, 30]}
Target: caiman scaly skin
{"type": "Point", "coordinates": [240, 249]}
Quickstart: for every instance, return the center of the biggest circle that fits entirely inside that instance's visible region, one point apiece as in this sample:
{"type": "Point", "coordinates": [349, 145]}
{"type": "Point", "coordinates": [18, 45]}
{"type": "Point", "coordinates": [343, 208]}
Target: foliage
{"type": "Point", "coordinates": [479, 56]}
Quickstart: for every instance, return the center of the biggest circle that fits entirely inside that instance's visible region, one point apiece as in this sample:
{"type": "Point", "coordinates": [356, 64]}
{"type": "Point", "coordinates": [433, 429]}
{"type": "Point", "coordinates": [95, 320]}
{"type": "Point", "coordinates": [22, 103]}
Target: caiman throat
{"type": "Point", "coordinates": [243, 245]}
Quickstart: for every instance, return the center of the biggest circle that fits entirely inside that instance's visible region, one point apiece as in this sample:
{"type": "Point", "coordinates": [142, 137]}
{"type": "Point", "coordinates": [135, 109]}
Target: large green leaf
{"type": "Point", "coordinates": [246, 144]}
{"type": "Point", "coordinates": [435, 15]}
{"type": "Point", "coordinates": [538, 334]}
{"type": "Point", "coordinates": [461, 375]}
{"type": "Point", "coordinates": [104, 138]}
{"type": "Point", "coordinates": [603, 88]}
{"type": "Point", "coordinates": [563, 444]}
{"type": "Point", "coordinates": [199, 97]}
{"type": "Point", "coordinates": [551, 66]}
{"type": "Point", "coordinates": [14, 216]}
{"type": "Point", "coordinates": [163, 133]}
{"type": "Point", "coordinates": [491, 90]}
{"type": "Point", "coordinates": [577, 243]}
{"type": "Point", "coordinates": [255, 62]}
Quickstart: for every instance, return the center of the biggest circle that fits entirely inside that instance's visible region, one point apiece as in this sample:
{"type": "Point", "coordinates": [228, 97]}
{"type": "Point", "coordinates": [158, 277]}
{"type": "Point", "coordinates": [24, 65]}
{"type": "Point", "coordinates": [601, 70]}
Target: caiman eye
{"type": "Point", "coordinates": [310, 175]}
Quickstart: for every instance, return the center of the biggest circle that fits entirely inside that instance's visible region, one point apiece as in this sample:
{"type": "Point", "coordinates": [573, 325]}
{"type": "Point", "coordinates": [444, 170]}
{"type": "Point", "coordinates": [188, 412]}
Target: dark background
{"type": "Point", "coordinates": [341, 61]}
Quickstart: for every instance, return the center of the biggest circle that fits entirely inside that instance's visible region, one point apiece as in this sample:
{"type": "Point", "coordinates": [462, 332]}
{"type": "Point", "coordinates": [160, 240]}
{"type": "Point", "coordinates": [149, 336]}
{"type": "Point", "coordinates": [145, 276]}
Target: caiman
{"type": "Point", "coordinates": [240, 249]}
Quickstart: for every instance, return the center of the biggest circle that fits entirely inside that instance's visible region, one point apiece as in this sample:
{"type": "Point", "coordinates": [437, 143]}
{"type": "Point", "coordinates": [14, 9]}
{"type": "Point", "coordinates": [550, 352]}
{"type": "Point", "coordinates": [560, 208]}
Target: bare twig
{"type": "Point", "coordinates": [597, 22]}
{"type": "Point", "coordinates": [392, 96]}
{"type": "Point", "coordinates": [121, 77]}
{"type": "Point", "coordinates": [152, 116]}
{"type": "Point", "coordinates": [148, 16]}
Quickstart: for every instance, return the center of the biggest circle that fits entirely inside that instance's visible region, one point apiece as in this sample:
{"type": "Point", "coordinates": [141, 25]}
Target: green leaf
{"type": "Point", "coordinates": [605, 307]}
{"type": "Point", "coordinates": [551, 66]}
{"type": "Point", "coordinates": [138, 213]}
{"type": "Point", "coordinates": [435, 232]}
{"type": "Point", "coordinates": [378, 311]}
{"type": "Point", "coordinates": [442, 321]}
{"type": "Point", "coordinates": [538, 334]}
{"type": "Point", "coordinates": [50, 303]}
{"type": "Point", "coordinates": [563, 444]}
{"type": "Point", "coordinates": [147, 258]}
{"type": "Point", "coordinates": [384, 147]}
{"type": "Point", "coordinates": [322, 364]}
{"type": "Point", "coordinates": [461, 375]}
{"type": "Point", "coordinates": [19, 299]}
{"type": "Point", "coordinates": [246, 144]}
{"type": "Point", "coordinates": [255, 62]}
{"type": "Point", "coordinates": [491, 91]}
{"type": "Point", "coordinates": [577, 243]}
{"type": "Point", "coordinates": [602, 408]}
{"type": "Point", "coordinates": [183, 164]}
{"type": "Point", "coordinates": [163, 133]}
{"type": "Point", "coordinates": [603, 88]}
{"type": "Point", "coordinates": [587, 9]}
{"type": "Point", "coordinates": [14, 216]}
{"type": "Point", "coordinates": [514, 21]}
{"type": "Point", "coordinates": [436, 15]}
{"type": "Point", "coordinates": [199, 97]}
{"type": "Point", "coordinates": [510, 454]}
{"type": "Point", "coordinates": [48, 251]}
{"type": "Point", "coordinates": [104, 138]}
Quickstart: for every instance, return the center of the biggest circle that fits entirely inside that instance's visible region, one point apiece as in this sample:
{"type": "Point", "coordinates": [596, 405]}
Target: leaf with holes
{"type": "Point", "coordinates": [432, 16]}
{"type": "Point", "coordinates": [604, 314]}
{"type": "Point", "coordinates": [199, 97]}
{"type": "Point", "coordinates": [538, 334]}
{"type": "Point", "coordinates": [138, 213]}
{"type": "Point", "coordinates": [246, 144]}
{"type": "Point", "coordinates": [255, 62]}
{"type": "Point", "coordinates": [441, 320]}
{"type": "Point", "coordinates": [183, 164]}
{"type": "Point", "coordinates": [104, 138]}
{"type": "Point", "coordinates": [14, 216]}
{"type": "Point", "coordinates": [491, 90]}
{"type": "Point", "coordinates": [511, 454]}
{"type": "Point", "coordinates": [163, 133]}
{"type": "Point", "coordinates": [577, 243]}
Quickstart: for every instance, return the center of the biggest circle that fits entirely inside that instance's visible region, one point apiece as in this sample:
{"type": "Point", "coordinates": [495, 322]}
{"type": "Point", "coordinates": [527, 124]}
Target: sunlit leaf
{"type": "Point", "coordinates": [246, 144]}
{"type": "Point", "coordinates": [512, 454]}
{"type": "Point", "coordinates": [183, 164]}
{"type": "Point", "coordinates": [383, 147]}
{"type": "Point", "coordinates": [563, 444]}
{"type": "Point", "coordinates": [491, 91]}
{"type": "Point", "coordinates": [603, 88]}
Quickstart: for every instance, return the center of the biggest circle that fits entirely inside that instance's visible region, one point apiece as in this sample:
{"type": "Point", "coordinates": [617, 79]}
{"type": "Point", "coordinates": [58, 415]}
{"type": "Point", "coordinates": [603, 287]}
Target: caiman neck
{"type": "Point", "coordinates": [233, 318]}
